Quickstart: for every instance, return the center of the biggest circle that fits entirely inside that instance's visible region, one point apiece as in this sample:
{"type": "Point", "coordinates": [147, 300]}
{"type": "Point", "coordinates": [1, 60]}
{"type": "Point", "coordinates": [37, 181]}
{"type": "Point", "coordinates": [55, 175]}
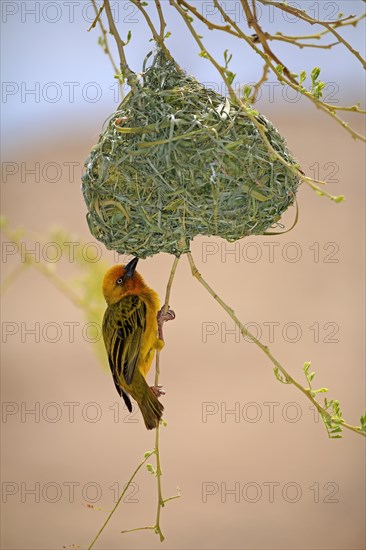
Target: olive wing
{"type": "Point", "coordinates": [124, 324]}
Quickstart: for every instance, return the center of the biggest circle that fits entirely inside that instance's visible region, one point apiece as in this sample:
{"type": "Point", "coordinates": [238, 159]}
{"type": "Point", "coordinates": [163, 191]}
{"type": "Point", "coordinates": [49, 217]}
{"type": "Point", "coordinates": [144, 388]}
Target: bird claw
{"type": "Point", "coordinates": [157, 390]}
{"type": "Point", "coordinates": [167, 316]}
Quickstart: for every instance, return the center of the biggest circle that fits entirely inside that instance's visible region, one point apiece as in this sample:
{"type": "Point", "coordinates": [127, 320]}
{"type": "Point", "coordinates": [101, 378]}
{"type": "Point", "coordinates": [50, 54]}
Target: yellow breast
{"type": "Point", "coordinates": [150, 341]}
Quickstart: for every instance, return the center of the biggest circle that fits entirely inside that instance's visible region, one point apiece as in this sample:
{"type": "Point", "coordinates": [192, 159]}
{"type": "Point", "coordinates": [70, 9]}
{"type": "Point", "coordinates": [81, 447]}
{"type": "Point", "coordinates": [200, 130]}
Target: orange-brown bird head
{"type": "Point", "coordinates": [122, 280]}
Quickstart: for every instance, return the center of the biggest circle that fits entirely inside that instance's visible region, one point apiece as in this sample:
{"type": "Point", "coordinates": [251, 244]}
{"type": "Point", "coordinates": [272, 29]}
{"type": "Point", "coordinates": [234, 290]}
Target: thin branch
{"type": "Point", "coordinates": [160, 504]}
{"type": "Point", "coordinates": [317, 36]}
{"type": "Point", "coordinates": [147, 455]}
{"type": "Point", "coordinates": [352, 109]}
{"type": "Point", "coordinates": [161, 501]}
{"type": "Point", "coordinates": [329, 25]}
{"type": "Point", "coordinates": [210, 25]}
{"type": "Point", "coordinates": [303, 15]}
{"type": "Point", "coordinates": [159, 39]}
{"type": "Point", "coordinates": [149, 527]}
{"type": "Point", "coordinates": [104, 40]}
{"type": "Point", "coordinates": [345, 43]}
{"type": "Point", "coordinates": [125, 69]}
{"type": "Point", "coordinates": [171, 498]}
{"type": "Point", "coordinates": [259, 84]}
{"type": "Point", "coordinates": [164, 310]}
{"type": "Point", "coordinates": [253, 22]}
{"type": "Point", "coordinates": [245, 332]}
{"type": "Point", "coordinates": [300, 44]}
{"type": "Point", "coordinates": [161, 19]}
{"type": "Point", "coordinates": [98, 13]}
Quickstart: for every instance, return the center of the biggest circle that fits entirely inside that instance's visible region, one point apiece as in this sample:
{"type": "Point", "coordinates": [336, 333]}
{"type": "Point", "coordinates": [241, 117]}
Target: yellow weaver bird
{"type": "Point", "coordinates": [131, 336]}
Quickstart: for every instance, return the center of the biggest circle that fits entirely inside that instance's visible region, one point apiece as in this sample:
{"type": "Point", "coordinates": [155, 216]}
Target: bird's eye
{"type": "Point", "coordinates": [119, 281]}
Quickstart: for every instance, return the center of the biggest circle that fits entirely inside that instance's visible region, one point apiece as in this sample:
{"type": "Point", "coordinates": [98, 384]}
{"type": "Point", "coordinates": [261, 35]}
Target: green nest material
{"type": "Point", "coordinates": [178, 160]}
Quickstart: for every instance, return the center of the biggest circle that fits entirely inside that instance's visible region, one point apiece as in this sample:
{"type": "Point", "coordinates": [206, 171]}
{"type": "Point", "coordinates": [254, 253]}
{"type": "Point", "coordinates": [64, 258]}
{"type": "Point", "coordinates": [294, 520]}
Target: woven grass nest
{"type": "Point", "coordinates": [178, 160]}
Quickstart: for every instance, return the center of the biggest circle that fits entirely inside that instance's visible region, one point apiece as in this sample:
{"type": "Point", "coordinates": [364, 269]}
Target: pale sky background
{"type": "Point", "coordinates": [46, 47]}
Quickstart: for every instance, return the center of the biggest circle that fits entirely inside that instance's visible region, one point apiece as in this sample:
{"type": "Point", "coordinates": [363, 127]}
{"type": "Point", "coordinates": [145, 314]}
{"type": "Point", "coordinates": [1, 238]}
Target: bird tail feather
{"type": "Point", "coordinates": [152, 409]}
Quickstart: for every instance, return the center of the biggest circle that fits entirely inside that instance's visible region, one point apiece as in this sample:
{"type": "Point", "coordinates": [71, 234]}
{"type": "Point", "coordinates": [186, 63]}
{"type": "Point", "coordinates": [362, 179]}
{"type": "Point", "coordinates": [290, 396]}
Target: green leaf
{"type": "Point", "coordinates": [279, 68]}
{"type": "Point", "coordinates": [302, 77]}
{"type": "Point", "coordinates": [306, 366]}
{"type": "Point", "coordinates": [151, 469]}
{"type": "Point", "coordinates": [315, 75]}
{"type": "Point", "coordinates": [168, 34]}
{"type": "Point", "coordinates": [363, 423]}
{"type": "Point", "coordinates": [228, 58]}
{"type": "Point", "coordinates": [247, 90]}
{"type": "Point", "coordinates": [318, 90]}
{"type": "Point", "coordinates": [230, 76]}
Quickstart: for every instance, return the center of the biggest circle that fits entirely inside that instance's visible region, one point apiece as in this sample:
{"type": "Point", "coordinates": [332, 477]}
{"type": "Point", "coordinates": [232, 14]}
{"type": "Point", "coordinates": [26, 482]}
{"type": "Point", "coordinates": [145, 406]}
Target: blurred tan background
{"type": "Point", "coordinates": [202, 375]}
{"type": "Point", "coordinates": [266, 477]}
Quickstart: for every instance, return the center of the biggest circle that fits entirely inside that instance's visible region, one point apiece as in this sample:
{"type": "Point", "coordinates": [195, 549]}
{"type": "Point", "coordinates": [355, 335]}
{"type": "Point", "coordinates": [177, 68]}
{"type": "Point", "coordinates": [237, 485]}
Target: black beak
{"type": "Point", "coordinates": [130, 268]}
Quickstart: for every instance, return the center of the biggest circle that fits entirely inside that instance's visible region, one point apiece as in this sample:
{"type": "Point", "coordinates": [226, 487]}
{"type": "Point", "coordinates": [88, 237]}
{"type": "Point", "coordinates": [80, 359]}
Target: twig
{"type": "Point", "coordinates": [245, 332]}
{"type": "Point", "coordinates": [98, 13]}
{"type": "Point", "coordinates": [317, 36]}
{"type": "Point", "coordinates": [125, 69]}
{"type": "Point", "coordinates": [352, 109]}
{"type": "Point", "coordinates": [147, 455]}
{"type": "Point", "coordinates": [161, 501]}
{"type": "Point", "coordinates": [161, 19]}
{"type": "Point", "coordinates": [104, 40]}
{"type": "Point", "coordinates": [158, 37]}
{"type": "Point", "coordinates": [253, 22]}
{"type": "Point", "coordinates": [300, 44]}
{"type": "Point", "coordinates": [259, 84]}
{"type": "Point", "coordinates": [329, 25]}
{"type": "Point", "coordinates": [210, 25]}
{"type": "Point", "coordinates": [164, 310]}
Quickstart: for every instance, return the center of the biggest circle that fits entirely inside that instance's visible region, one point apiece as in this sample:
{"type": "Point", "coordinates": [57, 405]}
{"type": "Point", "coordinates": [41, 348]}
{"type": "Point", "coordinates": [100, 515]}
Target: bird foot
{"type": "Point", "coordinates": [162, 318]}
{"type": "Point", "coordinates": [167, 316]}
{"type": "Point", "coordinates": [157, 390]}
